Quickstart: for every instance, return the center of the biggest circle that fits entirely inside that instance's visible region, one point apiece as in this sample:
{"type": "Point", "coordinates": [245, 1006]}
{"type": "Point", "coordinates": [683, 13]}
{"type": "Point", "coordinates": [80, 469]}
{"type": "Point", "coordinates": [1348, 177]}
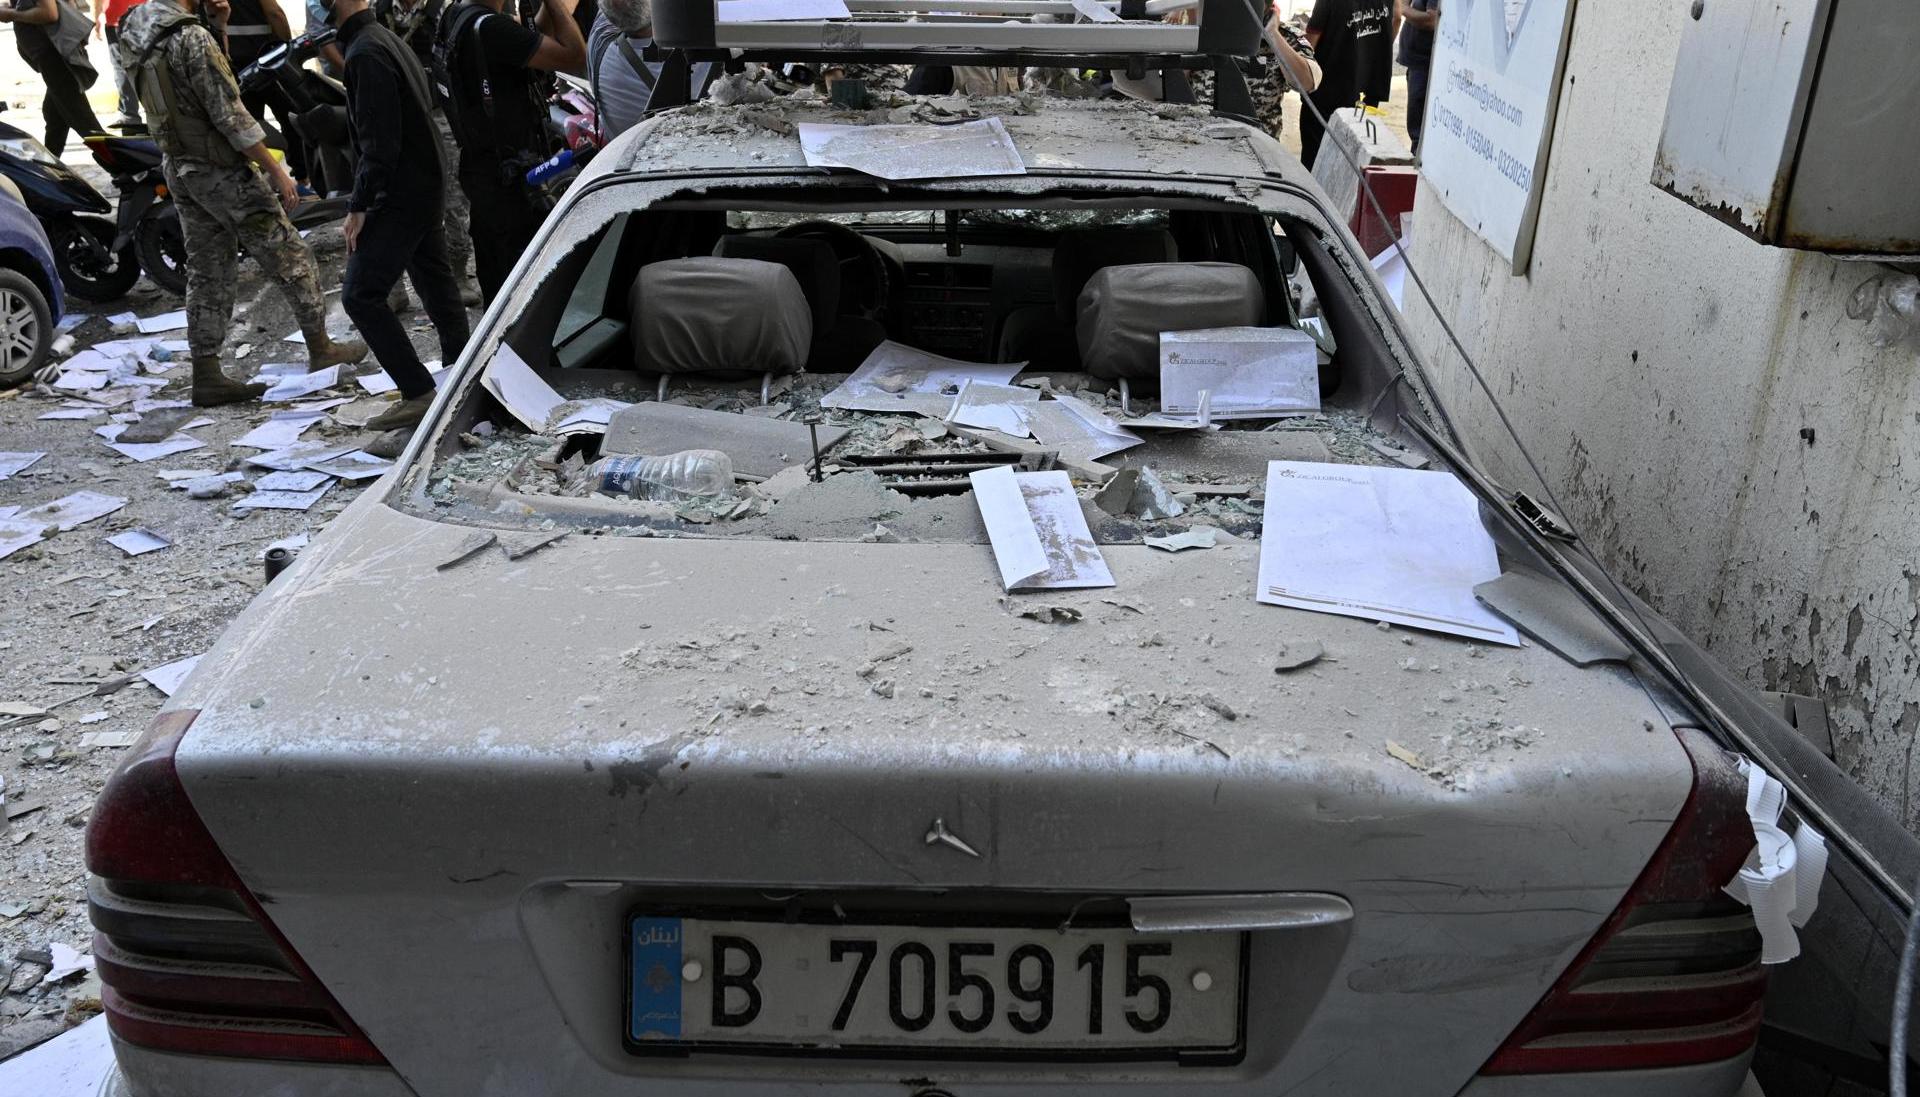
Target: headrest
{"type": "Point", "coordinates": [738, 317]}
{"type": "Point", "coordinates": [1124, 309]}
{"type": "Point", "coordinates": [1078, 255]}
{"type": "Point", "coordinates": [812, 261]}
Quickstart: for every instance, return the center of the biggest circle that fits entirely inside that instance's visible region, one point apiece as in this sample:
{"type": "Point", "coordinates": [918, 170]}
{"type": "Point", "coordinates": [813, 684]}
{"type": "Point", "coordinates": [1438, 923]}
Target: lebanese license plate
{"type": "Point", "coordinates": [960, 991]}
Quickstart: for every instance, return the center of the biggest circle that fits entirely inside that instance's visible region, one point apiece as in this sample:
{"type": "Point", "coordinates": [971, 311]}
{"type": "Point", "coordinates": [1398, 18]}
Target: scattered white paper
{"type": "Point", "coordinates": [355, 465]}
{"type": "Point", "coordinates": [16, 534]}
{"type": "Point", "coordinates": [95, 739]}
{"type": "Point", "coordinates": [1246, 373]}
{"type": "Point", "coordinates": [144, 406]}
{"type": "Point", "coordinates": [278, 433]}
{"type": "Point", "coordinates": [293, 386]}
{"type": "Point", "coordinates": [70, 321]}
{"type": "Point", "coordinates": [1384, 544]}
{"type": "Point", "coordinates": [291, 481]}
{"type": "Point", "coordinates": [123, 318]}
{"type": "Point", "coordinates": [1039, 533]}
{"type": "Point", "coordinates": [521, 391]}
{"type": "Point", "coordinates": [308, 407]}
{"type": "Point", "coordinates": [167, 678]}
{"type": "Point", "coordinates": [283, 500]}
{"type": "Point", "coordinates": [769, 11]}
{"type": "Point", "coordinates": [80, 381]}
{"type": "Point", "coordinates": [66, 962]}
{"type": "Point", "coordinates": [182, 480]}
{"type": "Point", "coordinates": [9, 511]}
{"type": "Point", "coordinates": [980, 147]}
{"type": "Point", "coordinates": [166, 321]}
{"type": "Point", "coordinates": [297, 456]}
{"type": "Point", "coordinates": [92, 360]}
{"type": "Point", "coordinates": [135, 542]}
{"type": "Point", "coordinates": [378, 383]}
{"type": "Point", "coordinates": [1078, 429]}
{"type": "Point", "coordinates": [272, 373]}
{"type": "Point", "coordinates": [1004, 408]}
{"type": "Point", "coordinates": [898, 379]}
{"type": "Point", "coordinates": [297, 337]}
{"type": "Point", "coordinates": [13, 463]}
{"type": "Point", "coordinates": [1197, 537]}
{"type": "Point", "coordinates": [589, 416]}
{"type": "Point", "coordinates": [1158, 421]}
{"type": "Point", "coordinates": [72, 413]}
{"type": "Point", "coordinates": [149, 451]}
{"type": "Point", "coordinates": [1782, 875]}
{"type": "Point", "coordinates": [73, 510]}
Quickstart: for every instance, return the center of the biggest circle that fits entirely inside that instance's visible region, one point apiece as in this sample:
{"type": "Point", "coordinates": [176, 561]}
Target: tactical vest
{"type": "Point", "coordinates": [180, 133]}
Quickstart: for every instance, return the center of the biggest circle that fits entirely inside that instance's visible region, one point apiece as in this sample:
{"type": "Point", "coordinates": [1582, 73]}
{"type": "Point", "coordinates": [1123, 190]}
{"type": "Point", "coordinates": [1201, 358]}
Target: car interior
{"type": "Point", "coordinates": [706, 303]}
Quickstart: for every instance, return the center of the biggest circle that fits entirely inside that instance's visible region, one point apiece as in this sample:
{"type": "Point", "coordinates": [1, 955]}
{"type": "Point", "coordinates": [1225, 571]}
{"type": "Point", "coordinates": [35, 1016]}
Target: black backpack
{"type": "Point", "coordinates": [457, 34]}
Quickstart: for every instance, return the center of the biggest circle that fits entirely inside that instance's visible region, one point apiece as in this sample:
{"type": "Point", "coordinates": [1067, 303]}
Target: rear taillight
{"type": "Point", "coordinates": [1674, 976]}
{"type": "Point", "coordinates": [189, 961]}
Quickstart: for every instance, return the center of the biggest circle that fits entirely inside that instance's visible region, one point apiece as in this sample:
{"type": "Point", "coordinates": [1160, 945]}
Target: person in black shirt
{"type": "Point", "coordinates": [394, 219]}
{"type": "Point", "coordinates": [1419, 19]}
{"type": "Point", "coordinates": [41, 33]}
{"type": "Point", "coordinates": [1353, 41]}
{"type": "Point", "coordinates": [498, 118]}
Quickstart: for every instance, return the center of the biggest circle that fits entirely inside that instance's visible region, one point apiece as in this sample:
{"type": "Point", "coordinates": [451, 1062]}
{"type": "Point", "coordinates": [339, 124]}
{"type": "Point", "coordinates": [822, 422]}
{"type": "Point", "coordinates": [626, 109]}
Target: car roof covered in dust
{"type": "Point", "coordinates": [1052, 133]}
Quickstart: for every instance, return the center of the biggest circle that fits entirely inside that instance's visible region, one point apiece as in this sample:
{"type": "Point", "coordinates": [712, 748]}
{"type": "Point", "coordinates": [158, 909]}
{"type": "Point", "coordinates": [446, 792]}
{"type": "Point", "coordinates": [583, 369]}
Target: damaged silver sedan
{"type": "Point", "coordinates": [524, 779]}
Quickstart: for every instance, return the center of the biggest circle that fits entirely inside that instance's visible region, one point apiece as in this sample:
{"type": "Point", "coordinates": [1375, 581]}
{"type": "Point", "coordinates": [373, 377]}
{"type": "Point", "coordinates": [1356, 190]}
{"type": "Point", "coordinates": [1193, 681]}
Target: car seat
{"type": "Point", "coordinates": [839, 342]}
{"type": "Point", "coordinates": [1042, 334]}
{"type": "Point", "coordinates": [723, 318]}
{"type": "Point", "coordinates": [1123, 310]}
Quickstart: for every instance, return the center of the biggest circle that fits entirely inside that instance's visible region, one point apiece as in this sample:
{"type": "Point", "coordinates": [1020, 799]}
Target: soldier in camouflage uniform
{"type": "Point", "coordinates": [215, 160]}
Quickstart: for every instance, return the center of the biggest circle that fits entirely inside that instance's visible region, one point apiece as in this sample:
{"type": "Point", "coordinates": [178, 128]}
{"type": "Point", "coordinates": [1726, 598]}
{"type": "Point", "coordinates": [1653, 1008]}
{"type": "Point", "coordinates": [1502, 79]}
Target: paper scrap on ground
{"type": "Point", "coordinates": [1160, 421]}
{"type": "Point", "coordinates": [1004, 408]}
{"type": "Point", "coordinates": [283, 500]}
{"type": "Point", "coordinates": [1197, 537]}
{"type": "Point", "coordinates": [290, 481]}
{"type": "Point", "coordinates": [521, 391]}
{"type": "Point", "coordinates": [352, 465]}
{"type": "Point", "coordinates": [95, 739]}
{"type": "Point", "coordinates": [16, 534]}
{"type": "Point", "coordinates": [71, 320]}
{"type": "Point", "coordinates": [78, 381]}
{"type": "Point", "coordinates": [378, 383]}
{"type": "Point", "coordinates": [898, 379]}
{"type": "Point", "coordinates": [1039, 533]}
{"type": "Point", "coordinates": [12, 463]}
{"type": "Point", "coordinates": [770, 11]}
{"type": "Point", "coordinates": [148, 451]}
{"type": "Point", "coordinates": [187, 480]}
{"type": "Point", "coordinates": [296, 385]}
{"type": "Point", "coordinates": [167, 678]}
{"type": "Point", "coordinates": [166, 321]}
{"type": "Point", "coordinates": [93, 360]}
{"type": "Point", "coordinates": [1078, 429]}
{"type": "Point", "coordinates": [297, 456]}
{"type": "Point", "coordinates": [1247, 373]}
{"type": "Point", "coordinates": [1383, 544]}
{"type": "Point", "coordinates": [1782, 875]}
{"type": "Point", "coordinates": [980, 147]}
{"type": "Point", "coordinates": [71, 413]}
{"type": "Point", "coordinates": [135, 542]}
{"type": "Point", "coordinates": [73, 510]}
{"type": "Point", "coordinates": [123, 318]}
{"type": "Point", "coordinates": [278, 432]}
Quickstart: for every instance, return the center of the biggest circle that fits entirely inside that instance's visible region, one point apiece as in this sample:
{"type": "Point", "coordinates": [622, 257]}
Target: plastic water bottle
{"type": "Point", "coordinates": [689, 474]}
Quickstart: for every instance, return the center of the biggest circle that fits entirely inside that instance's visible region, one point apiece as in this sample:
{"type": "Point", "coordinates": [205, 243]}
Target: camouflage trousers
{"type": "Point", "coordinates": [224, 212]}
{"type": "Point", "coordinates": [459, 243]}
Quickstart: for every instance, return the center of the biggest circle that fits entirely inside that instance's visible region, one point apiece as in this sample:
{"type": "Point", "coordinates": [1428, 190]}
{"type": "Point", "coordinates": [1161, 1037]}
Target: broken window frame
{"type": "Point", "coordinates": [1365, 324]}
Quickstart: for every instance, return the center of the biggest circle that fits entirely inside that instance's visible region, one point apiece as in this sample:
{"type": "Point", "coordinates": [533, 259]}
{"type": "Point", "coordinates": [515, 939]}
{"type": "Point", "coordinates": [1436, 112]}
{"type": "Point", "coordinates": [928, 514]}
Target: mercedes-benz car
{"type": "Point", "coordinates": [544, 772]}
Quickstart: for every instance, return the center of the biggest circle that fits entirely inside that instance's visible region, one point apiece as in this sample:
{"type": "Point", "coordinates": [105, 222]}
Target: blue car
{"type": "Point", "coordinates": [30, 300]}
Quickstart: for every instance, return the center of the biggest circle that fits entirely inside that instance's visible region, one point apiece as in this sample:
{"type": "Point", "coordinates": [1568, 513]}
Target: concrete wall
{"type": "Point", "coordinates": [1710, 417]}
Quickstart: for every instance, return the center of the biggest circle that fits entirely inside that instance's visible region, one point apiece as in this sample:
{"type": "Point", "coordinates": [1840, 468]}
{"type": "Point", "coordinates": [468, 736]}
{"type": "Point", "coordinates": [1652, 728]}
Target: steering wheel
{"type": "Point", "coordinates": [866, 287]}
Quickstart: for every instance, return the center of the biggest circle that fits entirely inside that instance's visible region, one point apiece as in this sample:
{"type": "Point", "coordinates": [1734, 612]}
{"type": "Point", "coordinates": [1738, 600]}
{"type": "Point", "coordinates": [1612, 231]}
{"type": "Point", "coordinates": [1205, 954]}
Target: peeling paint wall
{"type": "Point", "coordinates": [1709, 416]}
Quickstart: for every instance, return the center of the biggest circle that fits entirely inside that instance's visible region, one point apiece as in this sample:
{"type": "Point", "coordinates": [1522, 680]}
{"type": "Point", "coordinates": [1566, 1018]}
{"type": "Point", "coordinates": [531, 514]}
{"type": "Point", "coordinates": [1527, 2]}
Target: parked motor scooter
{"type": "Point", "coordinates": [147, 218]}
{"type": "Point", "coordinates": [91, 265]}
{"type": "Point", "coordinates": [320, 119]}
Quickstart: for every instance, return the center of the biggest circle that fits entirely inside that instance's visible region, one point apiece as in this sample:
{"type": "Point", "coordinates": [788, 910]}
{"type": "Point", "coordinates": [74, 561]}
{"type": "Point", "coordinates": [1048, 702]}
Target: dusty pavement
{"type": "Point", "coordinates": [80, 614]}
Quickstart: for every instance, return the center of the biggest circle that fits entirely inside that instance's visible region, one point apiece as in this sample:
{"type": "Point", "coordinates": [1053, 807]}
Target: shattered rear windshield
{"type": "Point", "coordinates": [767, 374]}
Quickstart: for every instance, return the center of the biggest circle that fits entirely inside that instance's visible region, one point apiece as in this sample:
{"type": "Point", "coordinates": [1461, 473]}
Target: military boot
{"type": "Point", "coordinates": [328, 351]}
{"type": "Point", "coordinates": [212, 387]}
